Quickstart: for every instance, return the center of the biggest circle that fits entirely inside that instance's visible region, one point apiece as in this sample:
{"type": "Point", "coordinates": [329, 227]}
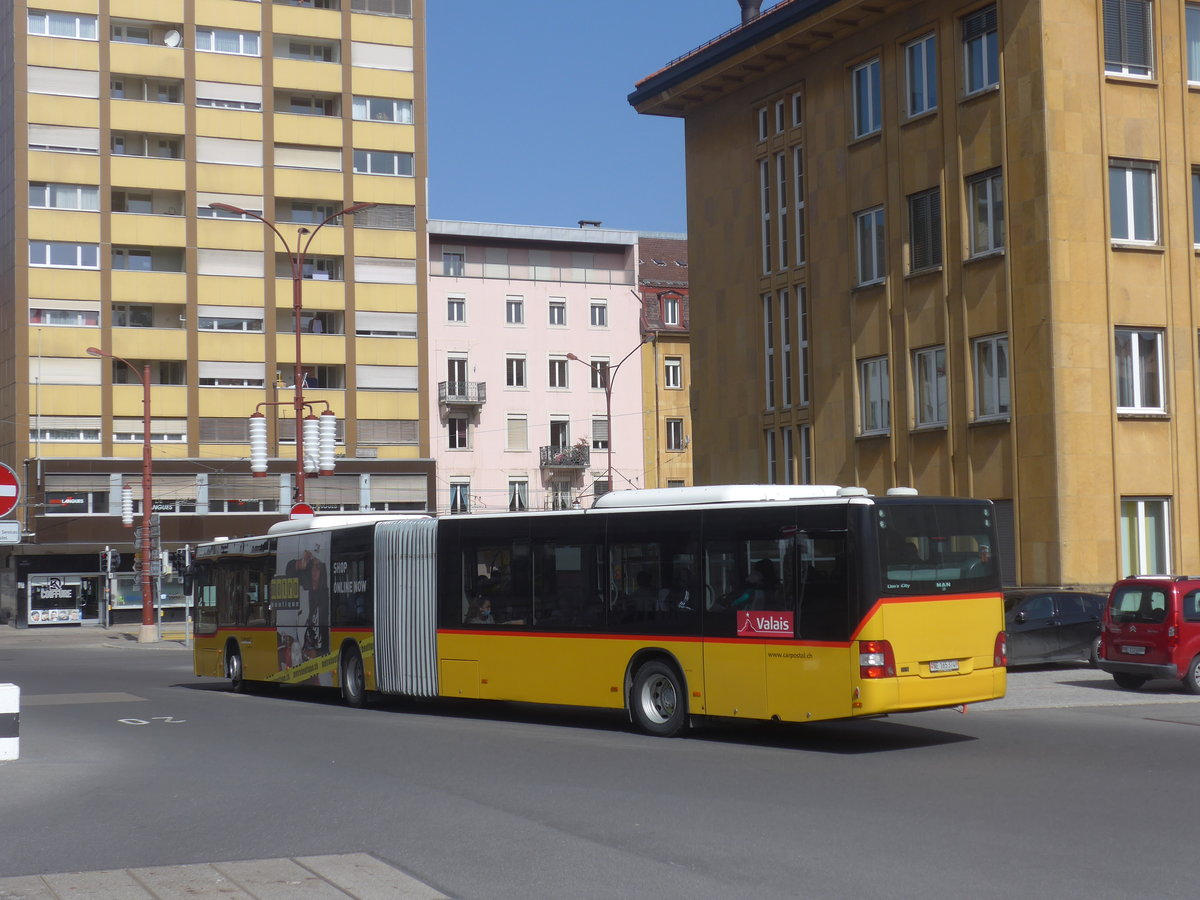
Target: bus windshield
{"type": "Point", "coordinates": [936, 548]}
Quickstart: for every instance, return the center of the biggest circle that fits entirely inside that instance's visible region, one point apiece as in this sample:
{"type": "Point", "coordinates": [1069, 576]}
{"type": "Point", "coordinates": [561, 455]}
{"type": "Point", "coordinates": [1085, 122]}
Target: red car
{"type": "Point", "coordinates": [1152, 630]}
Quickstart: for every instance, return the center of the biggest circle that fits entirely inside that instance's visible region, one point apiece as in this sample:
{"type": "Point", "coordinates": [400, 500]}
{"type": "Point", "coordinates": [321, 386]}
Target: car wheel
{"type": "Point", "coordinates": [1191, 680]}
{"type": "Point", "coordinates": [1094, 658]}
{"type": "Point", "coordinates": [658, 702]}
{"type": "Point", "coordinates": [1127, 681]}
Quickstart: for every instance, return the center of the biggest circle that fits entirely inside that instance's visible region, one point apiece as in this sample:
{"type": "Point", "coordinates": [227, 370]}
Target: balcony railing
{"type": "Point", "coordinates": [462, 393]}
{"type": "Point", "coordinates": [578, 456]}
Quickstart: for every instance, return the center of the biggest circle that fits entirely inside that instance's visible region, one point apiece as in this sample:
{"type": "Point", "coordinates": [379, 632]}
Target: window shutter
{"type": "Point", "coordinates": [392, 378]}
{"type": "Point", "coordinates": [403, 324]}
{"type": "Point", "coordinates": [381, 56]}
{"type": "Point", "coordinates": [244, 201]}
{"type": "Point", "coordinates": [62, 370]}
{"type": "Point", "coordinates": [230, 262]}
{"type": "Point", "coordinates": [387, 215]}
{"type": "Point", "coordinates": [229, 151]}
{"type": "Point", "coordinates": [65, 136]}
{"type": "Point", "coordinates": [224, 431]}
{"type": "Point", "coordinates": [63, 82]}
{"type": "Point", "coordinates": [236, 93]}
{"type": "Point", "coordinates": [1112, 31]}
{"type": "Point", "coordinates": [243, 487]}
{"type": "Point", "coordinates": [387, 431]}
{"type": "Point", "coordinates": [60, 484]}
{"type": "Point", "coordinates": [250, 370]}
{"type": "Point", "coordinates": [308, 158]}
{"type": "Point", "coordinates": [983, 21]}
{"type": "Point", "coordinates": [399, 488]}
{"type": "Point", "coordinates": [333, 490]}
{"type": "Point", "coordinates": [75, 305]}
{"type": "Point", "coordinates": [518, 433]}
{"type": "Point", "coordinates": [1136, 28]}
{"type": "Point", "coordinates": [377, 270]}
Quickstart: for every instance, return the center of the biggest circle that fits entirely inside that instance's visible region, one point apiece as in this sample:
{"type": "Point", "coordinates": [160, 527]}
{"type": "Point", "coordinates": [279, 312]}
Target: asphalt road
{"type": "Point", "coordinates": [1067, 788]}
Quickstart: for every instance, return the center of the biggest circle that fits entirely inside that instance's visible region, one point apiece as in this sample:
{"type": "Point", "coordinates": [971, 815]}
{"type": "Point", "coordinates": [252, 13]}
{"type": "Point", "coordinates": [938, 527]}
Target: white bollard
{"type": "Point", "coordinates": [10, 717]}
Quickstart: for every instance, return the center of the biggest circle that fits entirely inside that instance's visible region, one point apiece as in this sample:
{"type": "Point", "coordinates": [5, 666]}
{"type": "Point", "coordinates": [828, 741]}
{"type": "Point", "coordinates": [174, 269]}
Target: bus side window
{"type": "Point", "coordinates": [822, 610]}
{"type": "Point", "coordinates": [206, 608]}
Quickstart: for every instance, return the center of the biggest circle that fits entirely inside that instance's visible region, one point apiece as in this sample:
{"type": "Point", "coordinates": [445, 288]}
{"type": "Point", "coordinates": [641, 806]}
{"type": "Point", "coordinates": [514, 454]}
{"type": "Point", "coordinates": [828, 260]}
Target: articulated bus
{"type": "Point", "coordinates": [771, 602]}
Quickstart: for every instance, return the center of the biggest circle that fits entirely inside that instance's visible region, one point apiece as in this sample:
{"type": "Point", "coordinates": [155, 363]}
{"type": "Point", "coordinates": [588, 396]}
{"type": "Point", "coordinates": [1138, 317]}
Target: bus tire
{"type": "Point", "coordinates": [1127, 681]}
{"type": "Point", "coordinates": [234, 670]}
{"type": "Point", "coordinates": [657, 702]}
{"type": "Point", "coordinates": [1191, 678]}
{"type": "Point", "coordinates": [350, 674]}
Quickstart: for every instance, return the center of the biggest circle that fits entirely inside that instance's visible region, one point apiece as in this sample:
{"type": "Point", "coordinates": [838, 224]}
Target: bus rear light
{"type": "Point", "coordinates": [876, 660]}
{"type": "Point", "coordinates": [1000, 654]}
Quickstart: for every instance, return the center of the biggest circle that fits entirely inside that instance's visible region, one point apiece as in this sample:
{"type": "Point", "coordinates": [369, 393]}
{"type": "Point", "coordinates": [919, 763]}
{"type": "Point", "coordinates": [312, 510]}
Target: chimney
{"type": "Point", "coordinates": [750, 10]}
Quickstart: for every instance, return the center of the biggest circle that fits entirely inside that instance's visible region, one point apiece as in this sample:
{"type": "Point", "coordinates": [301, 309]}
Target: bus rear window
{"type": "Point", "coordinates": [936, 548]}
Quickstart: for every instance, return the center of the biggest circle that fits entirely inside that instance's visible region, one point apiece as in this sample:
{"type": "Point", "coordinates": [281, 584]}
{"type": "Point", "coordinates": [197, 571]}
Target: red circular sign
{"type": "Point", "coordinates": [301, 511]}
{"type": "Point", "coordinates": [10, 490]}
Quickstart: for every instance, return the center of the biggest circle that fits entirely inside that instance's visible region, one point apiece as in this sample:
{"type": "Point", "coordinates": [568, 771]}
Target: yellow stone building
{"type": "Point", "coordinates": [142, 139]}
{"type": "Point", "coordinates": [954, 246]}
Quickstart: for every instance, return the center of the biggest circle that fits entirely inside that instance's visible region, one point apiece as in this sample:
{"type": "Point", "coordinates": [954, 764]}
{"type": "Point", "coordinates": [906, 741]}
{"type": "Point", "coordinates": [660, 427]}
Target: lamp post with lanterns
{"type": "Point", "coordinates": [148, 633]}
{"type": "Point", "coordinates": [310, 429]}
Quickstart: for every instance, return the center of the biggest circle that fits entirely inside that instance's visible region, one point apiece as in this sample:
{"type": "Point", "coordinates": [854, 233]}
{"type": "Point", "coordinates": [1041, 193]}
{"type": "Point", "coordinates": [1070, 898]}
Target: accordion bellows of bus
{"type": "Point", "coordinates": [796, 603]}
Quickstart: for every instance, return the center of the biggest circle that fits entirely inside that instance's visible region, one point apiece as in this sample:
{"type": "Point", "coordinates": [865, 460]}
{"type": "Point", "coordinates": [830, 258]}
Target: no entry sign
{"type": "Point", "coordinates": [10, 490]}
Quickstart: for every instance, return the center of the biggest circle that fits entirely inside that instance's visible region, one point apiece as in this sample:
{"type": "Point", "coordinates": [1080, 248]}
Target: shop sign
{"type": "Point", "coordinates": [54, 602]}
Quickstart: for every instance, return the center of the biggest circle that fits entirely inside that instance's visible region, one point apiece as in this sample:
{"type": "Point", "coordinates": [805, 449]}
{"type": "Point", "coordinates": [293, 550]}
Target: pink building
{"type": "Point", "coordinates": [531, 329]}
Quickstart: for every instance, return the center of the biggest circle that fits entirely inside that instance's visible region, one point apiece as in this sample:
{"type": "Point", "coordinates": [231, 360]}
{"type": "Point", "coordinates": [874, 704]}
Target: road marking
{"type": "Point", "coordinates": [69, 699]}
{"type": "Point", "coordinates": [170, 720]}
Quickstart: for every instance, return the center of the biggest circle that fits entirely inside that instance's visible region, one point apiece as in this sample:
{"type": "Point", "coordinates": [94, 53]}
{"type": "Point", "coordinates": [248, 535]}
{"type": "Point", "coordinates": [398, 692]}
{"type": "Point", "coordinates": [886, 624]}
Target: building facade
{"type": "Point", "coordinates": [666, 395]}
{"type": "Point", "coordinates": [143, 138]}
{"type": "Point", "coordinates": [534, 335]}
{"type": "Point", "coordinates": [986, 217]}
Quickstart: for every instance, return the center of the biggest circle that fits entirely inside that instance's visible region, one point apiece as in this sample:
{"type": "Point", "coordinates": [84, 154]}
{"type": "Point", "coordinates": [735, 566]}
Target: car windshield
{"type": "Point", "coordinates": [1139, 604]}
{"type": "Point", "coordinates": [927, 548]}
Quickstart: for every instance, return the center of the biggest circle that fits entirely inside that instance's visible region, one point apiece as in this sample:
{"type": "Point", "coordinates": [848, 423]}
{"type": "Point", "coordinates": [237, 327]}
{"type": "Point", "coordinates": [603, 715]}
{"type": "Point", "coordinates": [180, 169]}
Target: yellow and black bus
{"type": "Point", "coordinates": [787, 602]}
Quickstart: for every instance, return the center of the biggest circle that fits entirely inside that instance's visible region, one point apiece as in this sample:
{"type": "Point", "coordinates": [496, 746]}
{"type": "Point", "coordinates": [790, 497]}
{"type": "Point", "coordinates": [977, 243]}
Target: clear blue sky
{"type": "Point", "coordinates": [528, 120]}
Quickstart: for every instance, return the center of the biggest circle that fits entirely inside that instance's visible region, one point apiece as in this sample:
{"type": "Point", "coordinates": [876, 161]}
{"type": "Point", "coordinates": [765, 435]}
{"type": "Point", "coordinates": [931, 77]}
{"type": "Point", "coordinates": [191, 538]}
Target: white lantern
{"type": "Point", "coordinates": [312, 438]}
{"type": "Point", "coordinates": [258, 445]}
{"type": "Point", "coordinates": [328, 442]}
{"type": "Point", "coordinates": [127, 506]}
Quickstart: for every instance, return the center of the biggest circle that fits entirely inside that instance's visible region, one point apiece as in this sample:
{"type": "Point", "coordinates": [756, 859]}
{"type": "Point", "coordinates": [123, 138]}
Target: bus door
{"type": "Point", "coordinates": [748, 563]}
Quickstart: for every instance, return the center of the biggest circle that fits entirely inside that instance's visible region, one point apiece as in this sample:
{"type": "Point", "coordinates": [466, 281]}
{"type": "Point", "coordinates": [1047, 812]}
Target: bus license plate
{"type": "Point", "coordinates": [944, 665]}
{"type": "Point", "coordinates": [1134, 651]}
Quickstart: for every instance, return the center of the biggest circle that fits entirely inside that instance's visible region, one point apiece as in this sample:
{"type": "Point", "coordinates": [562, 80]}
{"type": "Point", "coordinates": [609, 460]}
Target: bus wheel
{"type": "Point", "coordinates": [1191, 681]}
{"type": "Point", "coordinates": [658, 703]}
{"type": "Point", "coordinates": [233, 669]}
{"type": "Point", "coordinates": [354, 691]}
{"type": "Point", "coordinates": [1127, 681]}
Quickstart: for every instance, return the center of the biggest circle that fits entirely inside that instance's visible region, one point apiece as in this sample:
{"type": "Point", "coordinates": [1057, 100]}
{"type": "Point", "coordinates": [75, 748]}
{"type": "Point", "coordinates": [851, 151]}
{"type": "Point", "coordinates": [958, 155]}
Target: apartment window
{"type": "Point", "coordinates": [802, 344]}
{"type": "Point", "coordinates": [64, 254]}
{"type": "Point", "coordinates": [990, 355]}
{"type": "Point", "coordinates": [1133, 196]}
{"type": "Point", "coordinates": [558, 372]}
{"type": "Point", "coordinates": [1193, 43]}
{"type": "Point", "coordinates": [558, 312]}
{"type": "Point", "coordinates": [454, 264]}
{"type": "Point", "coordinates": [514, 371]}
{"type": "Point", "coordinates": [514, 310]}
{"type": "Point", "coordinates": [457, 433]}
{"type": "Point", "coordinates": [1145, 548]}
{"type": "Point", "coordinates": [63, 196]}
{"type": "Point", "coordinates": [130, 33]}
{"type": "Point", "coordinates": [383, 109]}
{"type": "Point", "coordinates": [150, 90]}
{"type": "Point", "coordinates": [797, 110]}
{"type": "Point", "coordinates": [805, 460]}
{"type": "Point", "coordinates": [929, 383]}
{"type": "Point", "coordinates": [382, 162]}
{"type": "Point", "coordinates": [981, 50]}
{"type": "Point", "coordinates": [920, 59]}
{"type": "Point", "coordinates": [673, 373]}
{"type": "Point", "coordinates": [868, 116]}
{"type": "Point", "coordinates": [599, 434]}
{"type": "Point", "coordinates": [516, 433]}
{"type": "Point", "coordinates": [789, 457]}
{"type": "Point", "coordinates": [675, 434]}
{"type": "Point", "coordinates": [780, 117]}
{"type": "Point", "coordinates": [764, 188]}
{"type": "Point", "coordinates": [599, 367]}
{"type": "Point", "coordinates": [150, 145]}
{"type": "Point", "coordinates": [1127, 38]}
{"type": "Point", "coordinates": [798, 203]}
{"type": "Point", "coordinates": [130, 315]}
{"type": "Point", "coordinates": [133, 259]}
{"type": "Point", "coordinates": [399, 8]}
{"type": "Point", "coordinates": [518, 495]}
{"type": "Point", "coordinates": [599, 314]}
{"type": "Point", "coordinates": [769, 436]}
{"type": "Point", "coordinates": [868, 226]}
{"type": "Point", "coordinates": [785, 333]}
{"type": "Point", "coordinates": [985, 193]}
{"type": "Point", "coordinates": [1140, 376]}
{"type": "Point", "coordinates": [456, 309]}
{"type": "Point", "coordinates": [224, 40]}
{"type": "Point", "coordinates": [925, 230]}
{"type": "Point", "coordinates": [670, 308]}
{"type": "Point", "coordinates": [216, 321]}
{"type": "Point", "coordinates": [768, 351]}
{"type": "Point", "coordinates": [781, 195]}
{"type": "Point", "coordinates": [308, 104]}
{"type": "Point", "coordinates": [460, 497]}
{"type": "Point", "coordinates": [72, 313]}
{"type": "Point", "coordinates": [61, 24]}
{"type": "Point", "coordinates": [761, 116]}
{"type": "Point", "coordinates": [876, 405]}
{"type": "Point", "coordinates": [560, 433]}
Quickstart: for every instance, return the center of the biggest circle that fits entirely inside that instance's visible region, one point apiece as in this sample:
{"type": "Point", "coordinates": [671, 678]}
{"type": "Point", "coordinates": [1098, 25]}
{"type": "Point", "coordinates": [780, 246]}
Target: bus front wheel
{"type": "Point", "coordinates": [233, 669]}
{"type": "Point", "coordinates": [354, 691]}
{"type": "Point", "coordinates": [658, 702]}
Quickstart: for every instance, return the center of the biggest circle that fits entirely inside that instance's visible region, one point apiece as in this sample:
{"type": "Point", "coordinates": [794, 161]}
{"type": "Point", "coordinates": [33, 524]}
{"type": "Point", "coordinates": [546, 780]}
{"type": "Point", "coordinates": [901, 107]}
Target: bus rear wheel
{"type": "Point", "coordinates": [658, 702]}
{"type": "Point", "coordinates": [354, 691]}
{"type": "Point", "coordinates": [233, 669]}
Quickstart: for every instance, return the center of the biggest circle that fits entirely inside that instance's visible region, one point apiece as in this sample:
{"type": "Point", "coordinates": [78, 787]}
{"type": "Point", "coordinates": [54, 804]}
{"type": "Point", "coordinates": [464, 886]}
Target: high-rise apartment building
{"type": "Point", "coordinates": [142, 139]}
{"type": "Point", "coordinates": [954, 246]}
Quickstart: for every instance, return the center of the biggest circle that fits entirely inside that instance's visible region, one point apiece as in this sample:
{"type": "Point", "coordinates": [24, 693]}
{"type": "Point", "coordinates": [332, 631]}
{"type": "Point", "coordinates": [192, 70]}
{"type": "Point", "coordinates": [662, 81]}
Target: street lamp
{"type": "Point", "coordinates": [608, 374]}
{"type": "Point", "coordinates": [297, 260]}
{"type": "Point", "coordinates": [147, 633]}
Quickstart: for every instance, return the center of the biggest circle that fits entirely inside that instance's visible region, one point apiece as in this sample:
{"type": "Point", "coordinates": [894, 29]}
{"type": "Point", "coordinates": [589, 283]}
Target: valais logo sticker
{"type": "Point", "coordinates": [764, 624]}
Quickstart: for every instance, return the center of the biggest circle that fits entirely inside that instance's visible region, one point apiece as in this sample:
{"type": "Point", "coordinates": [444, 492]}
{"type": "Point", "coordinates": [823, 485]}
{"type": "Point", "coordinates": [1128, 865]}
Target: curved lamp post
{"type": "Point", "coordinates": [296, 257]}
{"type": "Point", "coordinates": [148, 633]}
{"type": "Point", "coordinates": [608, 375]}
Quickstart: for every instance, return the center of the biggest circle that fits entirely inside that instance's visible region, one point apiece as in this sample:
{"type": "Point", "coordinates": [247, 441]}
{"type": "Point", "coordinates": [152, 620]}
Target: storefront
{"type": "Point", "coordinates": [63, 599]}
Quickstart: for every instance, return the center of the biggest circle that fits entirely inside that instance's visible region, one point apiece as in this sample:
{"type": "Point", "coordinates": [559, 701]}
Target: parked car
{"type": "Point", "coordinates": [1152, 630]}
{"type": "Point", "coordinates": [1052, 625]}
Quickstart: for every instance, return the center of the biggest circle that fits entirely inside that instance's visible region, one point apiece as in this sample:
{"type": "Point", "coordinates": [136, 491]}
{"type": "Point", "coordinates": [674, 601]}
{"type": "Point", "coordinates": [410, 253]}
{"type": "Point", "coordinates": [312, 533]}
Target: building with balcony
{"type": "Point", "coordinates": [532, 331]}
{"type": "Point", "coordinates": [126, 123]}
{"type": "Point", "coordinates": [1001, 290]}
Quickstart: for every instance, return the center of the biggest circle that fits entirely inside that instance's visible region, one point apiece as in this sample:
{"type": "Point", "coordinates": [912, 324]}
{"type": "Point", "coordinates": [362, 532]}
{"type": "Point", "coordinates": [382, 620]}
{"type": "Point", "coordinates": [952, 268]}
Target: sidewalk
{"type": "Point", "coordinates": [52, 636]}
{"type": "Point", "coordinates": [315, 877]}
